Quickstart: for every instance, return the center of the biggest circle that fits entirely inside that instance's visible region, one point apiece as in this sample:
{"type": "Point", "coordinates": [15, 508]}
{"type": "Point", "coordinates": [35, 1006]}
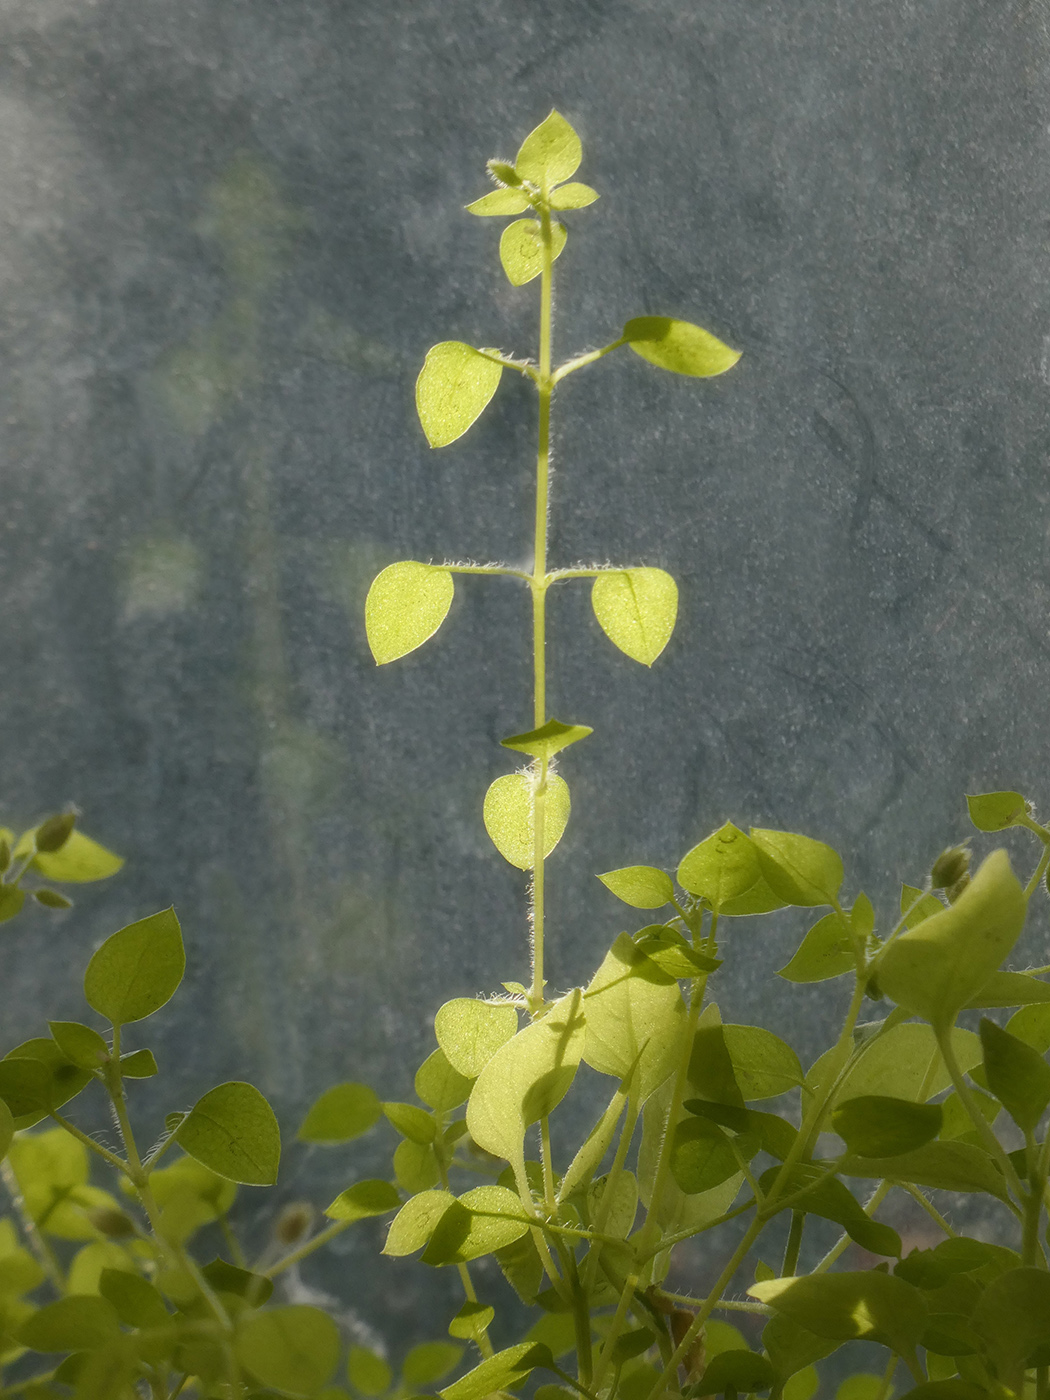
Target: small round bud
{"type": "Point", "coordinates": [52, 835]}
{"type": "Point", "coordinates": [872, 989]}
{"type": "Point", "coordinates": [294, 1222]}
{"type": "Point", "coordinates": [111, 1222]}
{"type": "Point", "coordinates": [950, 867]}
{"type": "Point", "coordinates": [504, 172]}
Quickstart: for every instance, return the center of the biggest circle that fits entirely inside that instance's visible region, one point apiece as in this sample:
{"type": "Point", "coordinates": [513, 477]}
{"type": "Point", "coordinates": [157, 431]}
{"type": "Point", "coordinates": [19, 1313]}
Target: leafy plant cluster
{"type": "Point", "coordinates": [711, 1129]}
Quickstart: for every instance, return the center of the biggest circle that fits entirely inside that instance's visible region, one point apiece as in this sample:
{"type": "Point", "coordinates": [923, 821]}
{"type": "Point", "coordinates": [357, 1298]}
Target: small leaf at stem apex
{"type": "Point", "coordinates": [137, 969]}
{"type": "Point", "coordinates": [470, 1032]}
{"type": "Point", "coordinates": [636, 609]}
{"type": "Point", "coordinates": [498, 202]}
{"type": "Point", "coordinates": [640, 886]}
{"type": "Point", "coordinates": [994, 811]}
{"type": "Point", "coordinates": [548, 740]}
{"type": "Point", "coordinates": [521, 249]}
{"type": "Point", "coordinates": [550, 153]}
{"type": "Point", "coordinates": [574, 196]}
{"type": "Point", "coordinates": [453, 390]}
{"type": "Point", "coordinates": [406, 605]}
{"type": "Point", "coordinates": [509, 814]}
{"type": "Point", "coordinates": [679, 346]}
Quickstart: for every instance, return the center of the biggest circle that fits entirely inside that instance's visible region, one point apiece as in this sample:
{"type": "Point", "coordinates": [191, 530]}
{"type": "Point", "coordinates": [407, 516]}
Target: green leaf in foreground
{"type": "Point", "coordinates": [798, 869]}
{"type": "Point", "coordinates": [509, 816]}
{"type": "Point", "coordinates": [1012, 1317]}
{"type": "Point", "coordinates": [479, 1223]}
{"type": "Point", "coordinates": [406, 605]}
{"type": "Point", "coordinates": [507, 1369]}
{"type": "Point", "coordinates": [574, 196]}
{"type": "Point", "coordinates": [453, 390]}
{"type": "Point", "coordinates": [878, 1126]}
{"type": "Point", "coordinates": [826, 951]}
{"type": "Point", "coordinates": [367, 1372]}
{"type": "Point", "coordinates": [439, 1085]}
{"type": "Point", "coordinates": [636, 609]}
{"type": "Point", "coordinates": [1017, 1075]}
{"type": "Point", "coordinates": [550, 153]}
{"type": "Point", "coordinates": [548, 740]}
{"type": "Point", "coordinates": [343, 1112]}
{"type": "Point", "coordinates": [499, 203]}
{"type": "Point", "coordinates": [137, 970]}
{"type": "Point", "coordinates": [295, 1349]}
{"type": "Point", "coordinates": [232, 1131]}
{"type": "Point", "coordinates": [678, 346]}
{"type": "Point", "coordinates": [415, 1222]}
{"type": "Point", "coordinates": [843, 1306]}
{"type": "Point", "coordinates": [470, 1032]}
{"type": "Point", "coordinates": [521, 249]}
{"type": "Point", "coordinates": [995, 811]}
{"type": "Point", "coordinates": [79, 860]}
{"type": "Point", "coordinates": [640, 886]}
{"type": "Point", "coordinates": [935, 969]}
{"type": "Point", "coordinates": [946, 1166]}
{"type": "Point", "coordinates": [724, 870]}
{"type": "Point", "coordinates": [81, 1045]}
{"type": "Point", "coordinates": [364, 1199]}
{"type": "Point", "coordinates": [471, 1319]}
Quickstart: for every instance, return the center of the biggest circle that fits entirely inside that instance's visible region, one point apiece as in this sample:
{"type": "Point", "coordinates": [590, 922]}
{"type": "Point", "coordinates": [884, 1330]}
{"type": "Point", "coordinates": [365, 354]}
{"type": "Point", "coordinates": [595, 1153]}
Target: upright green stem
{"type": "Point", "coordinates": [539, 583]}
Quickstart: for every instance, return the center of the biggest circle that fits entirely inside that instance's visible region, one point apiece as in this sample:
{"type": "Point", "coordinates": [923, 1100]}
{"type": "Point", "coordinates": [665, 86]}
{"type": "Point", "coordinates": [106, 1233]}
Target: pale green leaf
{"type": "Point", "coordinates": [1010, 989]}
{"type": "Point", "coordinates": [364, 1199]}
{"type": "Point", "coordinates": [470, 1032]}
{"type": "Point", "coordinates": [877, 1125]}
{"type": "Point", "coordinates": [826, 951]}
{"type": "Point", "coordinates": [1032, 1025]}
{"type": "Point", "coordinates": [994, 811]}
{"type": "Point", "coordinates": [672, 953]}
{"type": "Point", "coordinates": [597, 1143]}
{"type": "Point", "coordinates": [79, 860]}
{"type": "Point", "coordinates": [804, 1384]}
{"type": "Point", "coordinates": [453, 390]}
{"type": "Point", "coordinates": [916, 906]}
{"type": "Point", "coordinates": [798, 869]}
{"type": "Point", "coordinates": [138, 1064]}
{"type": "Point", "coordinates": [293, 1348]}
{"type": "Point", "coordinates": [471, 1320]}
{"type": "Point", "coordinates": [414, 1223]}
{"type": "Point", "coordinates": [430, 1362]}
{"type": "Point", "coordinates": [367, 1372]}
{"type": "Point", "coordinates": [342, 1112]}
{"type": "Point", "coordinates": [480, 1222]}
{"type": "Point", "coordinates": [946, 1166]}
{"type": "Point", "coordinates": [509, 815]}
{"type": "Point", "coordinates": [406, 605]}
{"type": "Point", "coordinates": [1012, 1317]}
{"type": "Point", "coordinates": [548, 740]}
{"type": "Point", "coordinates": [763, 1064]}
{"type": "Point", "coordinates": [904, 1063]}
{"type": "Point", "coordinates": [1017, 1075]}
{"type": "Point", "coordinates": [724, 870]}
{"type": "Point", "coordinates": [634, 1015]}
{"type": "Point", "coordinates": [411, 1122]}
{"type": "Point", "coordinates": [678, 346]}
{"type": "Point", "coordinates": [521, 250]}
{"type": "Point", "coordinates": [77, 1323]}
{"type": "Point", "coordinates": [636, 609]}
{"type": "Point", "coordinates": [641, 886]}
{"type": "Point", "coordinates": [574, 196]}
{"type": "Point", "coordinates": [841, 1306]}
{"type": "Point", "coordinates": [499, 202]}
{"type": "Point", "coordinates": [507, 1368]}
{"type": "Point", "coordinates": [549, 154]}
{"type": "Point", "coordinates": [81, 1045]}
{"type": "Point", "coordinates": [415, 1166]}
{"type": "Point", "coordinates": [526, 1078]}
{"type": "Point", "coordinates": [441, 1086]}
{"type": "Point", "coordinates": [233, 1132]}
{"type": "Point", "coordinates": [137, 970]}
{"type": "Point", "coordinates": [938, 967]}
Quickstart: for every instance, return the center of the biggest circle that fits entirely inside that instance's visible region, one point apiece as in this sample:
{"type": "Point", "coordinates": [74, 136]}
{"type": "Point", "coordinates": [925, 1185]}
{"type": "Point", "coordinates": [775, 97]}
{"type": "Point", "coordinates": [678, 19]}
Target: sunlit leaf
{"type": "Point", "coordinates": [798, 869]}
{"type": "Point", "coordinates": [406, 605]}
{"type": "Point", "coordinates": [724, 870]}
{"type": "Point", "coordinates": [526, 1078]}
{"type": "Point", "coordinates": [678, 346]}
{"type": "Point", "coordinates": [548, 740]}
{"type": "Point", "coordinates": [79, 860]}
{"type": "Point", "coordinates": [672, 953]}
{"type": "Point", "coordinates": [905, 1063]}
{"type": "Point", "coordinates": [846, 1305]}
{"type": "Point", "coordinates": [342, 1112]}
{"type": "Point", "coordinates": [763, 1064]}
{"type": "Point", "coordinates": [994, 811]}
{"type": "Point", "coordinates": [479, 1223]}
{"type": "Point", "coordinates": [521, 249]}
{"type": "Point", "coordinates": [509, 815]}
{"type": "Point", "coordinates": [878, 1126]}
{"type": "Point", "coordinates": [937, 968]}
{"type": "Point", "coordinates": [364, 1199]}
{"type": "Point", "coordinates": [702, 1156]}
{"type": "Point", "coordinates": [574, 196]}
{"type": "Point", "coordinates": [415, 1222]}
{"type": "Point", "coordinates": [471, 1319]}
{"type": "Point", "coordinates": [415, 1166]}
{"type": "Point", "coordinates": [233, 1132]}
{"type": "Point", "coordinates": [499, 202]}
{"type": "Point", "coordinates": [411, 1122]}
{"type": "Point", "coordinates": [294, 1348]}
{"type": "Point", "coordinates": [550, 153]}
{"type": "Point", "coordinates": [508, 1368]}
{"type": "Point", "coordinates": [1010, 989]}
{"type": "Point", "coordinates": [641, 886]}
{"type": "Point", "coordinates": [826, 951]}
{"type": "Point", "coordinates": [441, 1086]}
{"type": "Point", "coordinates": [636, 609]}
{"type": "Point", "coordinates": [137, 970]}
{"type": "Point", "coordinates": [634, 1017]}
{"type": "Point", "coordinates": [470, 1032]}
{"type": "Point", "coordinates": [453, 390]}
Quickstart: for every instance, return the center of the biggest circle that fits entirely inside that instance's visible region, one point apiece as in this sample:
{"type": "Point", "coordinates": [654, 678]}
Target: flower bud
{"type": "Point", "coordinates": [951, 867]}
{"type": "Point", "coordinates": [294, 1222]}
{"type": "Point", "coordinates": [111, 1222]}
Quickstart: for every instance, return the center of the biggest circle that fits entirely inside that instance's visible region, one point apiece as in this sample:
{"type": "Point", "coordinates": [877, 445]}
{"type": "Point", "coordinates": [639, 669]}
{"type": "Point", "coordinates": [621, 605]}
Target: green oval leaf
{"type": "Point", "coordinates": [406, 605]}
{"type": "Point", "coordinates": [574, 196]}
{"type": "Point", "coordinates": [548, 740]}
{"type": "Point", "coordinates": [935, 969]}
{"type": "Point", "coordinates": [415, 1222]}
{"type": "Point", "coordinates": [411, 1122]}
{"type": "Point", "coordinates": [678, 346]}
{"type": "Point", "coordinates": [78, 1323]}
{"type": "Point", "coordinates": [139, 1064]}
{"type": "Point", "coordinates": [471, 1320]}
{"type": "Point", "coordinates": [499, 202]}
{"type": "Point", "coordinates": [508, 1368]}
{"type": "Point", "coordinates": [550, 153]}
{"type": "Point", "coordinates": [641, 886]}
{"type": "Point", "coordinates": [842, 1306]}
{"type": "Point", "coordinates": [636, 609]}
{"type": "Point", "coordinates": [453, 390]}
{"type": "Point", "coordinates": [763, 1064]}
{"type": "Point", "coordinates": [343, 1112]}
{"type": "Point", "coordinates": [743, 1372]}
{"type": "Point", "coordinates": [947, 1166]}
{"type": "Point", "coordinates": [724, 870]}
{"type": "Point", "coordinates": [364, 1199]}
{"type": "Point", "coordinates": [521, 249]}
{"type": "Point", "coordinates": [137, 970]}
{"type": "Point", "coordinates": [79, 860]}
{"type": "Point", "coordinates": [441, 1086]}
{"type": "Point", "coordinates": [470, 1032]}
{"type": "Point", "coordinates": [509, 816]}
{"type": "Point", "coordinates": [526, 1078]}
{"type": "Point", "coordinates": [826, 951]}
{"type": "Point", "coordinates": [634, 1017]}
{"type": "Point", "coordinates": [295, 1349]}
{"type": "Point", "coordinates": [81, 1045]}
{"type": "Point", "coordinates": [994, 811]}
{"type": "Point", "coordinates": [878, 1126]}
{"type": "Point", "coordinates": [137, 1302]}
{"type": "Point", "coordinates": [1017, 1075]}
{"type": "Point", "coordinates": [480, 1222]}
{"type": "Point", "coordinates": [798, 869]}
{"type": "Point", "coordinates": [430, 1362]}
{"type": "Point", "coordinates": [702, 1156]}
{"type": "Point", "coordinates": [233, 1132]}
{"type": "Point", "coordinates": [367, 1372]}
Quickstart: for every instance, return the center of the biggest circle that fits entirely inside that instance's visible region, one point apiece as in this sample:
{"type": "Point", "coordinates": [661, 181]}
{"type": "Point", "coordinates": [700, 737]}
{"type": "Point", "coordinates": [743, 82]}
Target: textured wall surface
{"type": "Point", "coordinates": [229, 231]}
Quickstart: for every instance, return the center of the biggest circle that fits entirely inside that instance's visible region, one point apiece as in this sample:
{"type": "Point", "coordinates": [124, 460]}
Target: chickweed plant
{"type": "Point", "coordinates": [106, 1292]}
